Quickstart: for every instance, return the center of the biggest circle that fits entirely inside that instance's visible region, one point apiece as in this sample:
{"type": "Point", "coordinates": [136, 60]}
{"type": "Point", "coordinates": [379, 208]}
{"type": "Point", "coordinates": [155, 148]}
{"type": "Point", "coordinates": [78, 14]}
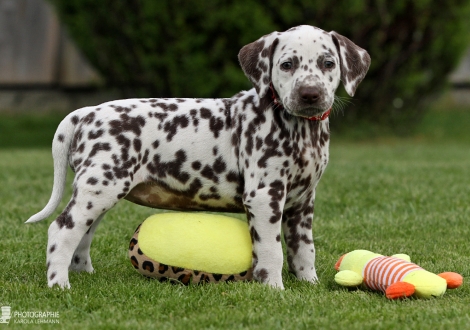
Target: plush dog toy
{"type": "Point", "coordinates": [395, 275]}
{"type": "Point", "coordinates": [192, 248]}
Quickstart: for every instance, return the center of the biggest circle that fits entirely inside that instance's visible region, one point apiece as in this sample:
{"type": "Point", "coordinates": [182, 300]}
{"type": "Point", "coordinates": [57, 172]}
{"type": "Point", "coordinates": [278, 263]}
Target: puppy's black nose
{"type": "Point", "coordinates": [309, 95]}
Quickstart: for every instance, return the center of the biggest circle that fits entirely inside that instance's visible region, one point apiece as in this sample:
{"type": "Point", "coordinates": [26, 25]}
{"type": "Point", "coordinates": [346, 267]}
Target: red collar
{"type": "Point", "coordinates": [279, 105]}
{"type": "Point", "coordinates": [321, 117]}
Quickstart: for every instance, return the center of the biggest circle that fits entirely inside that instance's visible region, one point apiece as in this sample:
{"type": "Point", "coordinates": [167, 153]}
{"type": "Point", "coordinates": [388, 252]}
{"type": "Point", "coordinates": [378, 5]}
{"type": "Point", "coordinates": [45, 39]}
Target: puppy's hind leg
{"type": "Point", "coordinates": [81, 260]}
{"type": "Point", "coordinates": [67, 233]}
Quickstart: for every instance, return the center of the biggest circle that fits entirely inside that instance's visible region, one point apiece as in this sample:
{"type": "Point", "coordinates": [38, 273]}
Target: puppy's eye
{"type": "Point", "coordinates": [286, 65]}
{"type": "Point", "coordinates": [329, 64]}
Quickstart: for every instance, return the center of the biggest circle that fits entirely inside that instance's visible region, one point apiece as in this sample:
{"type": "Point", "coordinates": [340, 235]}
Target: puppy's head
{"type": "Point", "coordinates": [304, 66]}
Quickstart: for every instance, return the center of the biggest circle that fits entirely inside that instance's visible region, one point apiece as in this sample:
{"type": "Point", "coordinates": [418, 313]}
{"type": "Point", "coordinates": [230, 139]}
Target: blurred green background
{"type": "Point", "coordinates": [176, 48]}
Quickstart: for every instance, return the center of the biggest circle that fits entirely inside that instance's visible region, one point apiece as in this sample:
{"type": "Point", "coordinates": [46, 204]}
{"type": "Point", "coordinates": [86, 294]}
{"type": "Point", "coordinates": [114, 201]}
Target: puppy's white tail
{"type": "Point", "coordinates": [60, 151]}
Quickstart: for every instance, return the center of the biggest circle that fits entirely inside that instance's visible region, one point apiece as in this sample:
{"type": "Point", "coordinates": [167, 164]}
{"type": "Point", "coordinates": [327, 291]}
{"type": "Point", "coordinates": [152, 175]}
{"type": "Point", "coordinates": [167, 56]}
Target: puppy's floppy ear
{"type": "Point", "coordinates": [256, 60]}
{"type": "Point", "coordinates": [355, 62]}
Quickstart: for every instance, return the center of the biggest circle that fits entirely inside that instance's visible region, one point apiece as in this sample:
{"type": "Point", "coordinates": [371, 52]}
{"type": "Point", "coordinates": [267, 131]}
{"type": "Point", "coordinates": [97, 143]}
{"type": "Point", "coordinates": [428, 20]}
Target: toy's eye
{"type": "Point", "coordinates": [286, 65]}
{"type": "Point", "coordinates": [329, 64]}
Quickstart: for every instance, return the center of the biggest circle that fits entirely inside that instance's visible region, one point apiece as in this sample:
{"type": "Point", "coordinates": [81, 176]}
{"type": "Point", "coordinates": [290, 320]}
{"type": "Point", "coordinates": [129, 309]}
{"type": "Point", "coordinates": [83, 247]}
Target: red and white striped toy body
{"type": "Point", "coordinates": [381, 272]}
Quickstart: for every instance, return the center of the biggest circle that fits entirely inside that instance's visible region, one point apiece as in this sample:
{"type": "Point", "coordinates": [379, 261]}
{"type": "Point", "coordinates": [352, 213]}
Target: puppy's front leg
{"type": "Point", "coordinates": [297, 229]}
{"type": "Point", "coordinates": [264, 212]}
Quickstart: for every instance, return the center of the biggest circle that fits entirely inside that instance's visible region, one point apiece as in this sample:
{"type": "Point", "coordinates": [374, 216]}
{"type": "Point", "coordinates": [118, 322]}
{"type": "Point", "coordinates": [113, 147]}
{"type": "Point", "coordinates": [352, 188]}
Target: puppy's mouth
{"type": "Point", "coordinates": [310, 112]}
{"type": "Point", "coordinates": [320, 109]}
{"type": "Point", "coordinates": [300, 109]}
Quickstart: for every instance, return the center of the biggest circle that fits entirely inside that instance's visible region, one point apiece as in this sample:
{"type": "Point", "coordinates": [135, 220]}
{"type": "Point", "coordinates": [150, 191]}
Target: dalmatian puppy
{"type": "Point", "coordinates": [262, 152]}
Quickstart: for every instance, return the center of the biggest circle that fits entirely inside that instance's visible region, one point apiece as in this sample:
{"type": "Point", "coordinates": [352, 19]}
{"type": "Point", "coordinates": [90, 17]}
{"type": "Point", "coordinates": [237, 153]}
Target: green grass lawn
{"type": "Point", "coordinates": [389, 196]}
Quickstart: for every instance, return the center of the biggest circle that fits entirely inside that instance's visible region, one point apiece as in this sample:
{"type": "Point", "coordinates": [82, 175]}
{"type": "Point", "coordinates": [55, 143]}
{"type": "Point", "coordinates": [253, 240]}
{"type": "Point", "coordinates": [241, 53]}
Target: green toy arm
{"type": "Point", "coordinates": [348, 278]}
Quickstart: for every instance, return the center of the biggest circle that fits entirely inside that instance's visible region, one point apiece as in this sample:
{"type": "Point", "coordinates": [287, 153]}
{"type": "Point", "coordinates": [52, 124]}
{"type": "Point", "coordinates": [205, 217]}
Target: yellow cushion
{"type": "Point", "coordinates": [205, 242]}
